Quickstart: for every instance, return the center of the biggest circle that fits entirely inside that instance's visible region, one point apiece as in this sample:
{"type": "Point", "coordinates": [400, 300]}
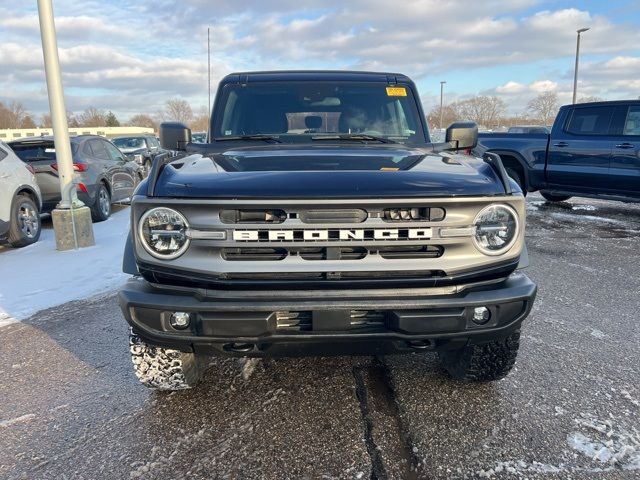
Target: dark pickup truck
{"type": "Point", "coordinates": [593, 151]}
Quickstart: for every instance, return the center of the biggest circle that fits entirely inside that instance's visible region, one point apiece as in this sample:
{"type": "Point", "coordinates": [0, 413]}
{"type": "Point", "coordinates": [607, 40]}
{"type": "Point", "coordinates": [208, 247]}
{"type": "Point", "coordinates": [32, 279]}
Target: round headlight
{"type": "Point", "coordinates": [163, 233]}
{"type": "Point", "coordinates": [496, 229]}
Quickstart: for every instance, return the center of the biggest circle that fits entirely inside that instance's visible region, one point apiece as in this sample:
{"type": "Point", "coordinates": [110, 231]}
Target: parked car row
{"type": "Point", "coordinates": [29, 182]}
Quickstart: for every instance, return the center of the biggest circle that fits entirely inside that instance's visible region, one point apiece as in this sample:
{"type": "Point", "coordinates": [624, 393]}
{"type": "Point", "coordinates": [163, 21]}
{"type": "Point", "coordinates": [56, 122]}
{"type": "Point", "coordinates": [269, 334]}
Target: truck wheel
{"type": "Point", "coordinates": [483, 362]}
{"type": "Point", "coordinates": [163, 368]}
{"type": "Point", "coordinates": [24, 227]}
{"type": "Point", "coordinates": [554, 198]}
{"type": "Point", "coordinates": [101, 208]}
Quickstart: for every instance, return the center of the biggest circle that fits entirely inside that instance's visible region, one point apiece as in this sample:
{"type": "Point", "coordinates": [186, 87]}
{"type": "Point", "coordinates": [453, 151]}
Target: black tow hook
{"type": "Point", "coordinates": [239, 347]}
{"type": "Point", "coordinates": [421, 344]}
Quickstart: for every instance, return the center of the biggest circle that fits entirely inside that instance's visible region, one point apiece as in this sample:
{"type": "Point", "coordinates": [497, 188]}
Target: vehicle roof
{"type": "Point", "coordinates": [134, 135]}
{"type": "Point", "coordinates": [604, 102]}
{"type": "Point", "coordinates": [50, 138]}
{"type": "Point", "coordinates": [335, 75]}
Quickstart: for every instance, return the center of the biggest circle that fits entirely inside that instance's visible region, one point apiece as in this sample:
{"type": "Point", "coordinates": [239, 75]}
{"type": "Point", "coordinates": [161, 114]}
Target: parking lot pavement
{"type": "Point", "coordinates": [71, 408]}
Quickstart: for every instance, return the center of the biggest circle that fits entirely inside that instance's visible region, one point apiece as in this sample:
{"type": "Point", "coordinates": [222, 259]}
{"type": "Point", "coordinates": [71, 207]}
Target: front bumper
{"type": "Point", "coordinates": [247, 323]}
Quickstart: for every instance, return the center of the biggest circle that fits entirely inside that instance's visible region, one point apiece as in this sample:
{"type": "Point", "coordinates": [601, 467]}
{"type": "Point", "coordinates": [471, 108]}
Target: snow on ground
{"type": "Point", "coordinates": [38, 277]}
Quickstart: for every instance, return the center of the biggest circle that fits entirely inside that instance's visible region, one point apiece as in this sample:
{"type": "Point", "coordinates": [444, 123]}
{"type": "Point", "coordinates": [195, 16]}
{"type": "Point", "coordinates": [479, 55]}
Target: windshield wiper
{"type": "Point", "coordinates": [363, 137]}
{"type": "Point", "coordinates": [257, 136]}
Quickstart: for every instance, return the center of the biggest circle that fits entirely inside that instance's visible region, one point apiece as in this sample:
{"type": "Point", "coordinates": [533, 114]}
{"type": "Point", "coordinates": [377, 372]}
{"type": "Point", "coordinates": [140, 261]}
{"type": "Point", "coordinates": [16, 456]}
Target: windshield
{"type": "Point", "coordinates": [292, 111]}
{"type": "Point", "coordinates": [129, 142]}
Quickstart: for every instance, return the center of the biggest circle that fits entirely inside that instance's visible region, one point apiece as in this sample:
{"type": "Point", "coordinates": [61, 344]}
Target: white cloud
{"type": "Point", "coordinates": [136, 55]}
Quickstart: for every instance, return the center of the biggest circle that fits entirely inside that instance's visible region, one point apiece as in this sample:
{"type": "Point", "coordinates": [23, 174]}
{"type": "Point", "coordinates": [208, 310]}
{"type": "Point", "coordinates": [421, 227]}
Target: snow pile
{"type": "Point", "coordinates": [38, 276]}
{"type": "Point", "coordinates": [606, 444]}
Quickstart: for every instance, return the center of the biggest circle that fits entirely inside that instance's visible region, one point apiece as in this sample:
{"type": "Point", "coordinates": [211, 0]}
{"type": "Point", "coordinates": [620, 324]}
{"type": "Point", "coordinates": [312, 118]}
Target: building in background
{"type": "Point", "coordinates": [109, 132]}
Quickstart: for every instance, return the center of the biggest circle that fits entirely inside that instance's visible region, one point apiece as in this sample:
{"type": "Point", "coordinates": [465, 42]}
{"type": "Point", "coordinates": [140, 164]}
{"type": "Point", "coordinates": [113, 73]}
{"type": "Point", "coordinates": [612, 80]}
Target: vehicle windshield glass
{"type": "Point", "coordinates": [129, 142]}
{"type": "Point", "coordinates": [295, 111]}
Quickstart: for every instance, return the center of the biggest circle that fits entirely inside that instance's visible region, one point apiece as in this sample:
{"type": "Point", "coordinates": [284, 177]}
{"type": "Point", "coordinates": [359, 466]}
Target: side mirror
{"type": "Point", "coordinates": [462, 135]}
{"type": "Point", "coordinates": [174, 135]}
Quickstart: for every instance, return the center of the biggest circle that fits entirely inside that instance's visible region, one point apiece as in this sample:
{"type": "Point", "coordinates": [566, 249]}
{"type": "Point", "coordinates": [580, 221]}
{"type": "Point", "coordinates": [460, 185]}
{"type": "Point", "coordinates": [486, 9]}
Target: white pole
{"type": "Point", "coordinates": [441, 104]}
{"type": "Point", "coordinates": [209, 82]}
{"type": "Point", "coordinates": [57, 106]}
{"type": "Point", "coordinates": [575, 71]}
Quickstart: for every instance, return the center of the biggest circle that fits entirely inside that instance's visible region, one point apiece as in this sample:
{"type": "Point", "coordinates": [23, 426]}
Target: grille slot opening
{"type": "Point", "coordinates": [368, 318]}
{"type": "Point", "coordinates": [411, 251]}
{"type": "Point", "coordinates": [293, 321]}
{"type": "Point", "coordinates": [253, 216]}
{"type": "Point", "coordinates": [254, 254]}
{"type": "Point", "coordinates": [343, 215]}
{"type": "Point", "coordinates": [335, 253]}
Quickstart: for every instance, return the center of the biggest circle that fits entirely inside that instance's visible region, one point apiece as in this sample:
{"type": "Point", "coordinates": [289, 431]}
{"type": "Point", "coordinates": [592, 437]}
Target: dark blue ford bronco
{"type": "Point", "coordinates": [319, 219]}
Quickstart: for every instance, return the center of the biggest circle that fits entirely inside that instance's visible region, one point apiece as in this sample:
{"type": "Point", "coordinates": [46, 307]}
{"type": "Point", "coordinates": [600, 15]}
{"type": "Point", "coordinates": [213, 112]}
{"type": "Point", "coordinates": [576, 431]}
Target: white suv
{"type": "Point", "coordinates": [20, 201]}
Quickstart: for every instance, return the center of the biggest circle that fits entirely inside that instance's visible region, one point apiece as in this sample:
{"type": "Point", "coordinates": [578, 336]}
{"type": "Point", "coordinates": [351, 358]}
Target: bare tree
{"type": "Point", "coordinates": [484, 110]}
{"type": "Point", "coordinates": [47, 123]}
{"type": "Point", "coordinates": [143, 120]}
{"type": "Point", "coordinates": [449, 115]}
{"type": "Point", "coordinates": [590, 99]}
{"type": "Point", "coordinates": [13, 115]}
{"type": "Point", "coordinates": [544, 107]}
{"type": "Point", "coordinates": [92, 117]}
{"type": "Point", "coordinates": [179, 110]}
{"type": "Point", "coordinates": [200, 123]}
{"type": "Point", "coordinates": [27, 122]}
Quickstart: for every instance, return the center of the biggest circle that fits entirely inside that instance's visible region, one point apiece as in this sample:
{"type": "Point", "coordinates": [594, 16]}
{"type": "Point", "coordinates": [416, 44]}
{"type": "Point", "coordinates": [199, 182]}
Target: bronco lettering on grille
{"type": "Point", "coordinates": [341, 234]}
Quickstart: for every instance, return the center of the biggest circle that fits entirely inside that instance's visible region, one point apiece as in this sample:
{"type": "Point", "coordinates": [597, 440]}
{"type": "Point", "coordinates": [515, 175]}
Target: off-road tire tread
{"type": "Point", "coordinates": [483, 362]}
{"type": "Point", "coordinates": [163, 368]}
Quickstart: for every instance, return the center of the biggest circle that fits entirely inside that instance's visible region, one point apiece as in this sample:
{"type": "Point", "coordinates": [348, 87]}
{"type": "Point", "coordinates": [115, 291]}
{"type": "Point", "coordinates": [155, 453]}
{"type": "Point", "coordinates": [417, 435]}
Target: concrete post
{"type": "Point", "coordinates": [71, 219]}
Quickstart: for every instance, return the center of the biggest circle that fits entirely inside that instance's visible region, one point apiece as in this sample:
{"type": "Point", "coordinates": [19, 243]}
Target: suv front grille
{"type": "Point", "coordinates": [331, 253]}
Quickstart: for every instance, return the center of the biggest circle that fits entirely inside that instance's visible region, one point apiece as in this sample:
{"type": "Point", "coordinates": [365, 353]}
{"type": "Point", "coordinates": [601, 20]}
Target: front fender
{"type": "Point", "coordinates": [129, 264]}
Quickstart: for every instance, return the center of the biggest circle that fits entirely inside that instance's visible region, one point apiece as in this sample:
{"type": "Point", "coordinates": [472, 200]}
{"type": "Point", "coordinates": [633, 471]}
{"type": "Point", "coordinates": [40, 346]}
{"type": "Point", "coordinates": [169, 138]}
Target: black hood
{"type": "Point", "coordinates": [277, 171]}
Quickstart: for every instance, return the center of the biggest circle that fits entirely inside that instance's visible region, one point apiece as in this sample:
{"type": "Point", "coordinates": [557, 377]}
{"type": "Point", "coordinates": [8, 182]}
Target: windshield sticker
{"type": "Point", "coordinates": [389, 169]}
{"type": "Point", "coordinates": [396, 92]}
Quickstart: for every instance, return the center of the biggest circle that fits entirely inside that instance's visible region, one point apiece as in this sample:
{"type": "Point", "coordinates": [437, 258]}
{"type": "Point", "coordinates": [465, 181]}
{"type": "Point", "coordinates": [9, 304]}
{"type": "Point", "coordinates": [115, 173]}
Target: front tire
{"type": "Point", "coordinates": [163, 368]}
{"type": "Point", "coordinates": [101, 208]}
{"type": "Point", "coordinates": [554, 198]}
{"type": "Point", "coordinates": [25, 227]}
{"type": "Point", "coordinates": [484, 362]}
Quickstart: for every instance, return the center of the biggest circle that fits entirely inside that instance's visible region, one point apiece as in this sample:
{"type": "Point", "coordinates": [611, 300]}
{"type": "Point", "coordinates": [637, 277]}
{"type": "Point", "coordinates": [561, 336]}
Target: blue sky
{"type": "Point", "coordinates": [130, 57]}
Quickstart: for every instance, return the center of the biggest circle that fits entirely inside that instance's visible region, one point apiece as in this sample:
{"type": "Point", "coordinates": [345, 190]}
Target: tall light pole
{"type": "Point", "coordinates": [441, 98]}
{"type": "Point", "coordinates": [575, 72]}
{"type": "Point", "coordinates": [71, 219]}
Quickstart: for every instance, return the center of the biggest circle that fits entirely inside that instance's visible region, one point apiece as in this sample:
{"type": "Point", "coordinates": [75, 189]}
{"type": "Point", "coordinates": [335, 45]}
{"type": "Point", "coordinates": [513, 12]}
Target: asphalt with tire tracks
{"type": "Point", "coordinates": [70, 406]}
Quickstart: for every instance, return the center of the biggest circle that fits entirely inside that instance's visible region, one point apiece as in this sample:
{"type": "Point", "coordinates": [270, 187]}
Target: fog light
{"type": "Point", "coordinates": [481, 315]}
{"type": "Point", "coordinates": [180, 320]}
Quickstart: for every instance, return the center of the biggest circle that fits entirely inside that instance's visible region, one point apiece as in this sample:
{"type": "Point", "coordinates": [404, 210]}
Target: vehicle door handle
{"type": "Point", "coordinates": [625, 145]}
{"type": "Point", "coordinates": [561, 144]}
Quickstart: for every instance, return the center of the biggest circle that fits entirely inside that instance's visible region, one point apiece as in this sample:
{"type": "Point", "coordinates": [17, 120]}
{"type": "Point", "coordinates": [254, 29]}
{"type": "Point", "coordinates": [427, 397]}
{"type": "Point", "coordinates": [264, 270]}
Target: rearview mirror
{"type": "Point", "coordinates": [174, 135]}
{"type": "Point", "coordinates": [462, 135]}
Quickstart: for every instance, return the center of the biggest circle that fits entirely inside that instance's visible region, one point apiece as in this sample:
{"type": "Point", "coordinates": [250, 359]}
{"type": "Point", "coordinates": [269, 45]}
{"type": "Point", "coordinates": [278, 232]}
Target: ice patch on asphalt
{"type": "Point", "coordinates": [248, 365]}
{"type": "Point", "coordinates": [14, 421]}
{"type": "Point", "coordinates": [591, 218]}
{"type": "Point", "coordinates": [39, 277]}
{"type": "Point", "coordinates": [607, 443]}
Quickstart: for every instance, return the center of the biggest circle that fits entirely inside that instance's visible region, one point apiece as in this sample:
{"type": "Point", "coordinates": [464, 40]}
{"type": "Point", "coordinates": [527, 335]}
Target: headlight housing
{"type": "Point", "coordinates": [163, 233]}
{"type": "Point", "coordinates": [497, 229]}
